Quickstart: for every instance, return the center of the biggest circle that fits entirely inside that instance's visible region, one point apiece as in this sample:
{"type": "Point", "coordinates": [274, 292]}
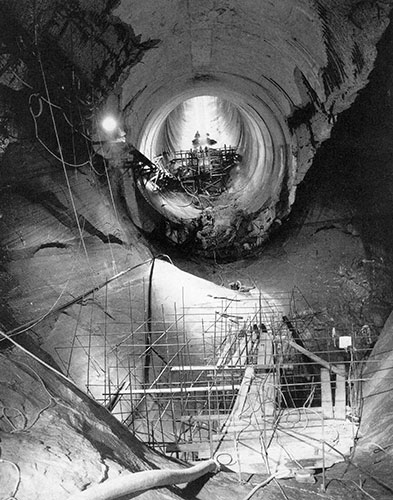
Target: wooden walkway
{"type": "Point", "coordinates": [258, 437]}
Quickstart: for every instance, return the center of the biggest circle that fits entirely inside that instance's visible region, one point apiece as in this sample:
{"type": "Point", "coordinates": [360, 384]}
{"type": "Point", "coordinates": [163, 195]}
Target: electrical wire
{"type": "Point", "coordinates": [51, 104]}
{"type": "Point", "coordinates": [31, 324]}
{"type": "Point", "coordinates": [63, 163]}
{"type": "Point", "coordinates": [363, 490]}
{"type": "Point", "coordinates": [37, 115]}
{"type": "Point", "coordinates": [345, 457]}
{"type": "Point", "coordinates": [277, 475]}
{"type": "Point", "coordinates": [87, 140]}
{"type": "Point", "coordinates": [39, 360]}
{"type": "Point", "coordinates": [27, 326]}
{"type": "Point", "coordinates": [21, 79]}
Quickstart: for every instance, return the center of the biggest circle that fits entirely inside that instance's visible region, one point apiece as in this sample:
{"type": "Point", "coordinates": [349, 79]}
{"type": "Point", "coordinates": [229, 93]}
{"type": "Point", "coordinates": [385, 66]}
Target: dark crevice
{"type": "Point", "coordinates": [130, 103]}
{"type": "Point", "coordinates": [333, 74]}
{"type": "Point", "coordinates": [357, 59]}
{"type": "Point", "coordinates": [300, 116]}
{"type": "Point", "coordinates": [54, 244]}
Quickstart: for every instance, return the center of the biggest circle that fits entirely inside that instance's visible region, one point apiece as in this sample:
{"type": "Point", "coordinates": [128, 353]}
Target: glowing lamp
{"type": "Point", "coordinates": [109, 124]}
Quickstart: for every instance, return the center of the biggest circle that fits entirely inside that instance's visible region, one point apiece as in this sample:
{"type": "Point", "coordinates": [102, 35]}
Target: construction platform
{"type": "Point", "coordinates": [243, 377]}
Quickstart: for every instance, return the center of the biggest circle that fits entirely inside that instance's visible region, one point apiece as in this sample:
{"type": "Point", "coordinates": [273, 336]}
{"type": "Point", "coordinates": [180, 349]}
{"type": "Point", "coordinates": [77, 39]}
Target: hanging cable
{"type": "Point", "coordinates": [37, 115]}
{"type": "Point", "coordinates": [63, 163]}
{"type": "Point", "coordinates": [31, 324]}
{"type": "Point", "coordinates": [277, 475]}
{"type": "Point", "coordinates": [148, 338]}
{"type": "Point", "coordinates": [39, 360]}
{"type": "Point", "coordinates": [27, 326]}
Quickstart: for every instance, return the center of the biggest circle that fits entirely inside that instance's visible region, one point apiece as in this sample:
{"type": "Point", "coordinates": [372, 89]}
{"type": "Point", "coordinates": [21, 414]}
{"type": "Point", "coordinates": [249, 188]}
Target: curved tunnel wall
{"type": "Point", "coordinates": [289, 68]}
{"type": "Point", "coordinates": [198, 119]}
{"type": "Point", "coordinates": [256, 128]}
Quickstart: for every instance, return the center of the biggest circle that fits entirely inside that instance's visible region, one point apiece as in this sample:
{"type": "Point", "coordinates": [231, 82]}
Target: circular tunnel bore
{"type": "Point", "coordinates": [198, 148]}
{"type": "Point", "coordinates": [209, 117]}
{"type": "Point", "coordinates": [220, 168]}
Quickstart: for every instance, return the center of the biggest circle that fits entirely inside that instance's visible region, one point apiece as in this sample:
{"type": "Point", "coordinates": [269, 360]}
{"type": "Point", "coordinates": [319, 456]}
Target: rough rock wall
{"type": "Point", "coordinates": [377, 401]}
{"type": "Point", "coordinates": [304, 62]}
{"type": "Point", "coordinates": [350, 32]}
{"type": "Point", "coordinates": [373, 450]}
{"type": "Point", "coordinates": [64, 228]}
{"type": "Point", "coordinates": [60, 233]}
{"type": "Point", "coordinates": [56, 441]}
{"type": "Point", "coordinates": [99, 46]}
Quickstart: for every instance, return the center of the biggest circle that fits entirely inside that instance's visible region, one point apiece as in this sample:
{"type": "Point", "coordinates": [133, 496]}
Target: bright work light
{"type": "Point", "coordinates": [109, 124]}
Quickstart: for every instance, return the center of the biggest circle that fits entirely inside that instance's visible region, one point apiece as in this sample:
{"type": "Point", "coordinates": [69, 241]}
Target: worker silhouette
{"type": "Point", "coordinates": [196, 141]}
{"type": "Point", "coordinates": [210, 142]}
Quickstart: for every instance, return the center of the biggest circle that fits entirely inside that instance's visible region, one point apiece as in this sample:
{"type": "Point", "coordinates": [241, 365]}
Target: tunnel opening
{"type": "Point", "coordinates": [200, 142]}
{"type": "Point", "coordinates": [209, 121]}
{"type": "Point", "coordinates": [202, 121]}
{"type": "Point", "coordinates": [220, 162]}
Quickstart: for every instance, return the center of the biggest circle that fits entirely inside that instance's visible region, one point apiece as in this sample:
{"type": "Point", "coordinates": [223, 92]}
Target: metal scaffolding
{"type": "Point", "coordinates": [198, 171]}
{"type": "Point", "coordinates": [251, 381]}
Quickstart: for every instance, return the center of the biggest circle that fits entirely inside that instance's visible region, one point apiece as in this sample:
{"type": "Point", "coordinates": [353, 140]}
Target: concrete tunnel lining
{"type": "Point", "coordinates": [301, 65]}
{"type": "Point", "coordinates": [259, 134]}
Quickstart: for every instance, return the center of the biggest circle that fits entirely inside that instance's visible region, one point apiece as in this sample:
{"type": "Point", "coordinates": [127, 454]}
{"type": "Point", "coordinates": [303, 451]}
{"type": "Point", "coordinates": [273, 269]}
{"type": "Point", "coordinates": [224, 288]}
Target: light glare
{"type": "Point", "coordinates": [109, 124]}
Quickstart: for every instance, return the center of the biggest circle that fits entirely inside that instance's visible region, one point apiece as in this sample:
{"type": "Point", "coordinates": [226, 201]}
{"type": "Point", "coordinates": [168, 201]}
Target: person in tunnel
{"type": "Point", "coordinates": [209, 141]}
{"type": "Point", "coordinates": [195, 141]}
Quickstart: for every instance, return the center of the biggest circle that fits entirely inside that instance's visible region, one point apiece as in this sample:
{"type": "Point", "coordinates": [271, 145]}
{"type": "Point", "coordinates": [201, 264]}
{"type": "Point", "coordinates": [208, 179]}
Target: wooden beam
{"type": "Point", "coordinates": [326, 393]}
{"type": "Point", "coordinates": [240, 399]}
{"type": "Point", "coordinates": [340, 400]}
{"type": "Point", "coordinates": [178, 390]}
{"type": "Point", "coordinates": [315, 358]}
{"type": "Point", "coordinates": [202, 368]}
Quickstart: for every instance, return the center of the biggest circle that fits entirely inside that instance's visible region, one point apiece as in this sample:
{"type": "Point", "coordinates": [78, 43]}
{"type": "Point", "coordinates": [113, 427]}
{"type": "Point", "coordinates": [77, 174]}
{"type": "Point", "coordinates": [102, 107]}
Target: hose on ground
{"type": "Point", "coordinates": [126, 484]}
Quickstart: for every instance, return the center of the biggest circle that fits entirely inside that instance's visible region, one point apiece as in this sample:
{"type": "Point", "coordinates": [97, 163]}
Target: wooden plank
{"type": "Point", "coordinates": [224, 353]}
{"type": "Point", "coordinates": [299, 417]}
{"type": "Point", "coordinates": [240, 399]}
{"type": "Point", "coordinates": [340, 400]}
{"type": "Point", "coordinates": [265, 387]}
{"type": "Point", "coordinates": [188, 447]}
{"type": "Point", "coordinates": [178, 390]}
{"type": "Point", "coordinates": [326, 394]}
{"type": "Point", "coordinates": [202, 368]}
{"type": "Point", "coordinates": [243, 391]}
{"type": "Point", "coordinates": [240, 356]}
{"type": "Point", "coordinates": [315, 358]}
